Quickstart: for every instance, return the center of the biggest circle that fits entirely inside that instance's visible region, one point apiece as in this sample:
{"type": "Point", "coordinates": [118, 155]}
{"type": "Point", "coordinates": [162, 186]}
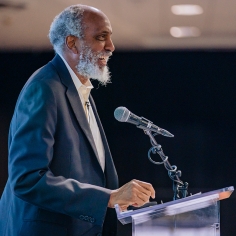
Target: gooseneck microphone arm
{"type": "Point", "coordinates": [122, 114]}
{"type": "Point", "coordinates": [180, 188]}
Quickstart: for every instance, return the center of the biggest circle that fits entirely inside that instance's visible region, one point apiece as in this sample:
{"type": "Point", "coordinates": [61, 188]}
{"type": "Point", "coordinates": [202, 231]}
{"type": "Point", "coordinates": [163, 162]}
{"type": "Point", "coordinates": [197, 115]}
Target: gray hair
{"type": "Point", "coordinates": [68, 22]}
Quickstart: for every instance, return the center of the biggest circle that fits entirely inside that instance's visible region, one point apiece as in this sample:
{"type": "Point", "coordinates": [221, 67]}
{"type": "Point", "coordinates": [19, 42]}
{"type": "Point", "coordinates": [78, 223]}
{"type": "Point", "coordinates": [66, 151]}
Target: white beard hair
{"type": "Point", "coordinates": [87, 66]}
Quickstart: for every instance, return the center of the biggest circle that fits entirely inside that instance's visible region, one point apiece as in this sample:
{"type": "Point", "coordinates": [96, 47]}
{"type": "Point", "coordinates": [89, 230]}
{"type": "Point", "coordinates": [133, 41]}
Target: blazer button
{"type": "Point", "coordinates": [81, 217]}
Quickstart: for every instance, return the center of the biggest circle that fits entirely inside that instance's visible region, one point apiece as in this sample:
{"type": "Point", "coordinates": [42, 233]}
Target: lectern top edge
{"type": "Point", "coordinates": [197, 200]}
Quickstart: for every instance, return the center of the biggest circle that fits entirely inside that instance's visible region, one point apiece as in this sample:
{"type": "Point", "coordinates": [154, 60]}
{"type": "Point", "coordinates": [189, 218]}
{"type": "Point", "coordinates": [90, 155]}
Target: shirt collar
{"type": "Point", "coordinates": [83, 89]}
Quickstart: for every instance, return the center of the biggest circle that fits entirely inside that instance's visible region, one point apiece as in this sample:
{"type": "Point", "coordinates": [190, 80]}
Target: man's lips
{"type": "Point", "coordinates": [103, 61]}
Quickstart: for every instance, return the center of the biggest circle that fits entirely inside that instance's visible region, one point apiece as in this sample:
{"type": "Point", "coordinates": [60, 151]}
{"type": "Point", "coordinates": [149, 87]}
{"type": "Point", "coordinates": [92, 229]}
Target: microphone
{"type": "Point", "coordinates": [122, 114]}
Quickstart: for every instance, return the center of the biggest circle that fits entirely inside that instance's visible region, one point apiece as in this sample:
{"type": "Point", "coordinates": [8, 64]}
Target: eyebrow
{"type": "Point", "coordinates": [106, 32]}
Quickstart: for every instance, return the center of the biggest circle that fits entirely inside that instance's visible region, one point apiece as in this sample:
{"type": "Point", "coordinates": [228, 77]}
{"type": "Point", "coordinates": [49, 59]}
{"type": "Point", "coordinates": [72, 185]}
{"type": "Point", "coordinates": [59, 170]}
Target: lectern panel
{"type": "Point", "coordinates": [201, 222]}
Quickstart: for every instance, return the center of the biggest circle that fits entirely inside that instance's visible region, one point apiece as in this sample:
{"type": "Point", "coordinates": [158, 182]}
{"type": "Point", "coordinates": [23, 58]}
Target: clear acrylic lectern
{"type": "Point", "coordinates": [196, 215]}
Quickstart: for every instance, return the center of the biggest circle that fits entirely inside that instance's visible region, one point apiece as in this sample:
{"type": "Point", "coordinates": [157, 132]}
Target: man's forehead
{"type": "Point", "coordinates": [97, 22]}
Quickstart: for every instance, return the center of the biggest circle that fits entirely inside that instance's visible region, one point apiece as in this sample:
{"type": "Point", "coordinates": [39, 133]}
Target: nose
{"type": "Point", "coordinates": [109, 46]}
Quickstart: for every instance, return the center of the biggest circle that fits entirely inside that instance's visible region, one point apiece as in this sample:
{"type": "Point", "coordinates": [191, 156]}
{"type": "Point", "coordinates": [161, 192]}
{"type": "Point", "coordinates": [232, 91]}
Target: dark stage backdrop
{"type": "Point", "coordinates": [191, 94]}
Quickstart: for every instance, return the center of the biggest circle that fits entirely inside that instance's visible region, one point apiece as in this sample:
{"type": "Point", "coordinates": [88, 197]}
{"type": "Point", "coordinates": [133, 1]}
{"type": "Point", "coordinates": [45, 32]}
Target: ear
{"type": "Point", "coordinates": [71, 43]}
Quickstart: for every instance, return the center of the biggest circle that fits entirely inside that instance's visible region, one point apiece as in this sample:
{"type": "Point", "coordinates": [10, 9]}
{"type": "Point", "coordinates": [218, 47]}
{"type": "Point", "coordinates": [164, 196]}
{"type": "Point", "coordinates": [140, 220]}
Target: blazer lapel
{"type": "Point", "coordinates": [74, 100]}
{"type": "Point", "coordinates": [110, 170]}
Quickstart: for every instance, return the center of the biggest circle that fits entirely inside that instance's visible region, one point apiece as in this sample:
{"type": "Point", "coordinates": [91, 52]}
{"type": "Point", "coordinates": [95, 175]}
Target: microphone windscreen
{"type": "Point", "coordinates": [121, 114]}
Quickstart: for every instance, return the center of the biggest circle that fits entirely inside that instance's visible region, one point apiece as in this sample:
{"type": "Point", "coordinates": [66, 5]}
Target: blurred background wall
{"type": "Point", "coordinates": [185, 84]}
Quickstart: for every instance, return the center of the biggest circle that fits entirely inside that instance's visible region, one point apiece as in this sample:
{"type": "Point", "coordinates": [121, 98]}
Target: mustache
{"type": "Point", "coordinates": [104, 54]}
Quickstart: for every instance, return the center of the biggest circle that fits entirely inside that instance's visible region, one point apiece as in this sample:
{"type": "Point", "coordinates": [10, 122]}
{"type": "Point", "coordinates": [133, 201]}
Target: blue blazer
{"type": "Point", "coordinates": [56, 186]}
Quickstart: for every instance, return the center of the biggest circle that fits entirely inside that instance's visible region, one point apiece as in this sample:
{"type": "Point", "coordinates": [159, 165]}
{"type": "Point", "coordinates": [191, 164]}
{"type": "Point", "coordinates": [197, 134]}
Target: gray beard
{"type": "Point", "coordinates": [88, 68]}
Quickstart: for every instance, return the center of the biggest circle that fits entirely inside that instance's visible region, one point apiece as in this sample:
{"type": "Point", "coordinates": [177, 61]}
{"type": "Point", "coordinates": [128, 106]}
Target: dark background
{"type": "Point", "coordinates": [189, 93]}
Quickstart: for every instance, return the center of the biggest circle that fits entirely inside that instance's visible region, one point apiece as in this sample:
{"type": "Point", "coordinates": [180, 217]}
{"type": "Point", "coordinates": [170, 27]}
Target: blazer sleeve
{"type": "Point", "coordinates": [31, 141]}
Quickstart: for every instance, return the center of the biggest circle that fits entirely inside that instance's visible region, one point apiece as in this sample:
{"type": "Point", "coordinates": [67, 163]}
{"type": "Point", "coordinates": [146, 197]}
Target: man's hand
{"type": "Point", "coordinates": [135, 193]}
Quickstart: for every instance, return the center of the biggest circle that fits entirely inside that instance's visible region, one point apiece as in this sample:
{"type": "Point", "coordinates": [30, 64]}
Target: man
{"type": "Point", "coordinates": [62, 180]}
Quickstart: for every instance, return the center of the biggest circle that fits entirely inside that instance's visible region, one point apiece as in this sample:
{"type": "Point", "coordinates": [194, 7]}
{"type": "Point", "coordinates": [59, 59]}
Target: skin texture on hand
{"type": "Point", "coordinates": [134, 193]}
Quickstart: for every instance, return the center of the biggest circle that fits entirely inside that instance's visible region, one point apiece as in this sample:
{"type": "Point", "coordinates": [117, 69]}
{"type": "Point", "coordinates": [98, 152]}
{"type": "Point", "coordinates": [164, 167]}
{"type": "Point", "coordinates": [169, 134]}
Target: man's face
{"type": "Point", "coordinates": [95, 48]}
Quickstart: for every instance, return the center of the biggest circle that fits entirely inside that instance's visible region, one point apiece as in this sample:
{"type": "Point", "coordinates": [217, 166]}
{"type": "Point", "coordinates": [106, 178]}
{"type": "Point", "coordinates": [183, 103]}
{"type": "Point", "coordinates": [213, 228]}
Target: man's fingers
{"type": "Point", "coordinates": [146, 186]}
{"type": "Point", "coordinates": [140, 195]}
{"type": "Point", "coordinates": [142, 198]}
{"type": "Point", "coordinates": [145, 192]}
{"type": "Point", "coordinates": [135, 192]}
